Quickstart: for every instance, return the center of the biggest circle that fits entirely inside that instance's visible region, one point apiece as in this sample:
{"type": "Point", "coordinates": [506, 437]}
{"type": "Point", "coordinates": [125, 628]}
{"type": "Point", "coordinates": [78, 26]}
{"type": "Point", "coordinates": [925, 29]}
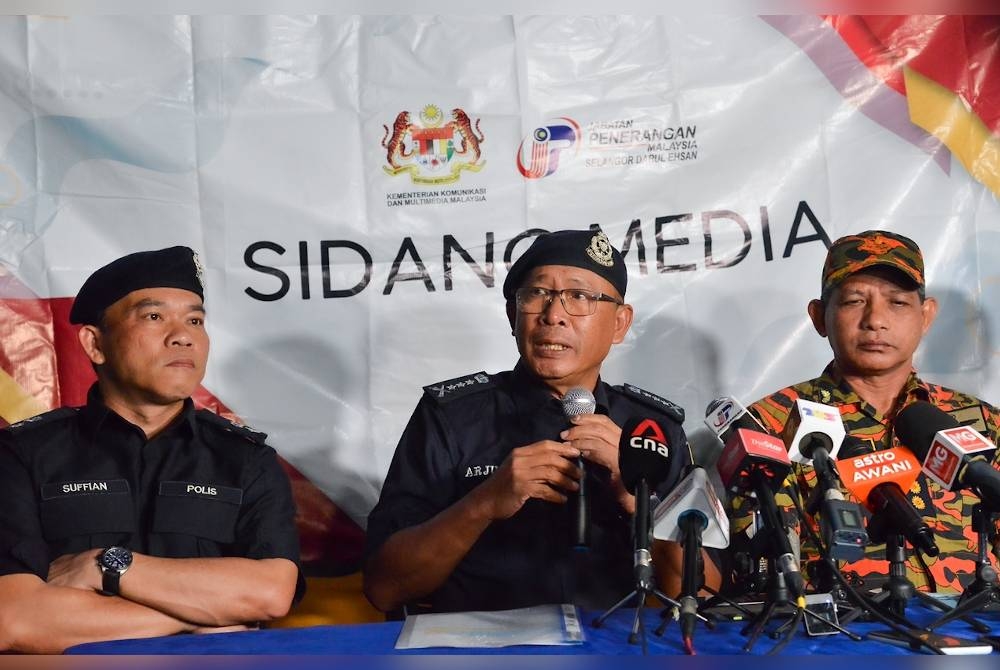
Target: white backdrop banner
{"type": "Point", "coordinates": [357, 187]}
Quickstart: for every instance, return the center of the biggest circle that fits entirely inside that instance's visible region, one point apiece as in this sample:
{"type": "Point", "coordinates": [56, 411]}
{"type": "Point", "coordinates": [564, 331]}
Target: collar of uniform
{"type": "Point", "coordinates": [95, 414]}
{"type": "Point", "coordinates": [914, 389]}
{"type": "Point", "coordinates": [530, 393]}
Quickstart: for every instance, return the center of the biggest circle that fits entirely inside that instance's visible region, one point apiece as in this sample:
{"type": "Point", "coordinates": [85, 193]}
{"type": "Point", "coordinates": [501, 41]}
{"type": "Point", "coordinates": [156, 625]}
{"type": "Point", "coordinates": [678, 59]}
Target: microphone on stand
{"type": "Point", "coordinates": [879, 479]}
{"type": "Point", "coordinates": [956, 457]}
{"type": "Point", "coordinates": [758, 462]}
{"type": "Point", "coordinates": [646, 461]}
{"type": "Point", "coordinates": [814, 434]}
{"type": "Point", "coordinates": [693, 516]}
{"type": "Point", "coordinates": [577, 401]}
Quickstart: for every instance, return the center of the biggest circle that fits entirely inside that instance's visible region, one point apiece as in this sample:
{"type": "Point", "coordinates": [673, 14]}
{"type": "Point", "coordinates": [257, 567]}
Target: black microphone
{"type": "Point", "coordinates": [646, 460]}
{"type": "Point", "coordinates": [878, 479]}
{"type": "Point", "coordinates": [725, 415]}
{"type": "Point", "coordinates": [579, 401]}
{"type": "Point", "coordinates": [955, 456]}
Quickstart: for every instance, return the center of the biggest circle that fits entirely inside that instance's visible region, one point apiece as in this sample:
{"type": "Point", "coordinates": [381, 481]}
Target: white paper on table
{"type": "Point", "coordinates": [541, 625]}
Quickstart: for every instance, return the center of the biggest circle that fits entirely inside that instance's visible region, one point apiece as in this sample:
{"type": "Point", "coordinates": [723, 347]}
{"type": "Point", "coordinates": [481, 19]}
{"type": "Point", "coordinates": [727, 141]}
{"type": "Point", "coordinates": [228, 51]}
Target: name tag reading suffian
{"type": "Point", "coordinates": [86, 487]}
{"type": "Point", "coordinates": [202, 490]}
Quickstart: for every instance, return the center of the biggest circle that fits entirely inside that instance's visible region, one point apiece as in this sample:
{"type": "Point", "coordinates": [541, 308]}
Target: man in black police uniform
{"type": "Point", "coordinates": [137, 515]}
{"type": "Point", "coordinates": [473, 512]}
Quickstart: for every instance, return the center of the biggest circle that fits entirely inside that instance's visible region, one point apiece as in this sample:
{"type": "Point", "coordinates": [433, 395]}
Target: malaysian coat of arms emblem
{"type": "Point", "coordinates": [432, 151]}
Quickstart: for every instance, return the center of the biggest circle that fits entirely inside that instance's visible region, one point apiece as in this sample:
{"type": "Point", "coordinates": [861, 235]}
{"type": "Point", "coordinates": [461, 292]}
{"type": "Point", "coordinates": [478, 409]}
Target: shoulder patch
{"type": "Point", "coordinates": [674, 411]}
{"type": "Point", "coordinates": [971, 416]}
{"type": "Point", "coordinates": [459, 387]}
{"type": "Point", "coordinates": [42, 419]}
{"type": "Point", "coordinates": [225, 424]}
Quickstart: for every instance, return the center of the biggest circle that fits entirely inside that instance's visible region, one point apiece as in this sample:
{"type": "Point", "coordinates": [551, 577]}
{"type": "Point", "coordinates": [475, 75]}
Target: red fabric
{"type": "Point", "coordinates": [962, 53]}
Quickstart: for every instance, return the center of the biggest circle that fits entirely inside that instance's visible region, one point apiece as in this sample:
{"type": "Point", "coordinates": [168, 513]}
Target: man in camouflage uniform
{"type": "Point", "coordinates": [874, 311]}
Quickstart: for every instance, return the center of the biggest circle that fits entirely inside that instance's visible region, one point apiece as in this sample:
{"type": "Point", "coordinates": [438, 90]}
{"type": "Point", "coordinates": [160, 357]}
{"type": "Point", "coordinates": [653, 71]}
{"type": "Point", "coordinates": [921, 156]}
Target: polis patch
{"type": "Point", "coordinates": [227, 494]}
{"type": "Point", "coordinates": [54, 490]}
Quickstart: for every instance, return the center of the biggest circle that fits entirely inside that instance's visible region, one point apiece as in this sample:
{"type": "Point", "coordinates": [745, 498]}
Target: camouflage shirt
{"type": "Point", "coordinates": [947, 513]}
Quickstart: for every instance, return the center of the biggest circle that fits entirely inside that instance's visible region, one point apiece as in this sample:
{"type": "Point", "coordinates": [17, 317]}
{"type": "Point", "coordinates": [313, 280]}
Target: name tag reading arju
{"type": "Point", "coordinates": [202, 490]}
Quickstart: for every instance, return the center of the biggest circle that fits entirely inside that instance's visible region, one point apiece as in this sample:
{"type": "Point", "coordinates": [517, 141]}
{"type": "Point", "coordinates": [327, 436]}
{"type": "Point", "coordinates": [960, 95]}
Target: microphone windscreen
{"type": "Point", "coordinates": [644, 453]}
{"type": "Point", "coordinates": [855, 446]}
{"type": "Point", "coordinates": [577, 401]}
{"type": "Point", "coordinates": [917, 424]}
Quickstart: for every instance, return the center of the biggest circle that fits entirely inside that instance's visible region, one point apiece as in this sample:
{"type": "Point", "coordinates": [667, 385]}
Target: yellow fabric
{"type": "Point", "coordinates": [947, 116]}
{"type": "Point", "coordinates": [16, 404]}
{"type": "Point", "coordinates": [331, 600]}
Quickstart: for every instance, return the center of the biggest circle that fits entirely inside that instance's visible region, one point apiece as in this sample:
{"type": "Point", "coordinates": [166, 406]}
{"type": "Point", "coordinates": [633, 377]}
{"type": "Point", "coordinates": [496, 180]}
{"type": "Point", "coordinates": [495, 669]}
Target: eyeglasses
{"type": "Point", "coordinates": [576, 302]}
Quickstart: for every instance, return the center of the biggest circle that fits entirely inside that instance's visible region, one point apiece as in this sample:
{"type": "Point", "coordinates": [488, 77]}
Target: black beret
{"type": "Point", "coordinates": [174, 267]}
{"type": "Point", "coordinates": [587, 249]}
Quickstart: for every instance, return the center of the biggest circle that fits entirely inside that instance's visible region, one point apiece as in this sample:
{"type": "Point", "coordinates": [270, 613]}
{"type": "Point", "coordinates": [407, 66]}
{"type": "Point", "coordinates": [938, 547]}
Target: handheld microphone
{"type": "Point", "coordinates": [646, 460]}
{"type": "Point", "coordinates": [579, 401]}
{"type": "Point", "coordinates": [756, 461]}
{"type": "Point", "coordinates": [879, 479]}
{"type": "Point", "coordinates": [813, 434]}
{"type": "Point", "coordinates": [955, 456]}
{"type": "Point", "coordinates": [694, 516]}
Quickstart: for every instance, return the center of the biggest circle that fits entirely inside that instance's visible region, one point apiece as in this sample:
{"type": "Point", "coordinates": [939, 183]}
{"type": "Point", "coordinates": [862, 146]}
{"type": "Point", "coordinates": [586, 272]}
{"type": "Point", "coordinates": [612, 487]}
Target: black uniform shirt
{"type": "Point", "coordinates": [460, 432]}
{"type": "Point", "coordinates": [78, 479]}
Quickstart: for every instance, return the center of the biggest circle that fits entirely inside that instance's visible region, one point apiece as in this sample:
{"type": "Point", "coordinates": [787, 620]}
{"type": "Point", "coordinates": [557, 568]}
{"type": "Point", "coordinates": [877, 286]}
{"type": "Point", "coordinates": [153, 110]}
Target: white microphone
{"type": "Point", "coordinates": [812, 426]}
{"type": "Point", "coordinates": [577, 401]}
{"type": "Point", "coordinates": [694, 495]}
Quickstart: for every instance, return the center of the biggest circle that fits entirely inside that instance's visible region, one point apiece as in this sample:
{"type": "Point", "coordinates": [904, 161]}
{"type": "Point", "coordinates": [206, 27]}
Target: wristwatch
{"type": "Point", "coordinates": [113, 561]}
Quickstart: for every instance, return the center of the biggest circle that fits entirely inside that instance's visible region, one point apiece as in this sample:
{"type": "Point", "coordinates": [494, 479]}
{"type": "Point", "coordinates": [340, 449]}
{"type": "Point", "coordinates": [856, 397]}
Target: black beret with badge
{"type": "Point", "coordinates": [173, 267]}
{"type": "Point", "coordinates": [587, 249]}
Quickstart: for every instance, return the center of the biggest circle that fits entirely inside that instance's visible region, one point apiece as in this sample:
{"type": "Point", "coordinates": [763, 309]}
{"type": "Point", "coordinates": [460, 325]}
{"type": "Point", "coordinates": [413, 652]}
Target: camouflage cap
{"type": "Point", "coordinates": [854, 253]}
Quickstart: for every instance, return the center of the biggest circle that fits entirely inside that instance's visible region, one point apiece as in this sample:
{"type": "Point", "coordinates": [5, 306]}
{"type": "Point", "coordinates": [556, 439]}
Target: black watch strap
{"type": "Point", "coordinates": [111, 582]}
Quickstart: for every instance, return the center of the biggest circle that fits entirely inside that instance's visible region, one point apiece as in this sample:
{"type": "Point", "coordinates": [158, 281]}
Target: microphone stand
{"type": "Point", "coordinates": [778, 546]}
{"type": "Point", "coordinates": [644, 575]}
{"type": "Point", "coordinates": [984, 589]}
{"type": "Point", "coordinates": [897, 592]}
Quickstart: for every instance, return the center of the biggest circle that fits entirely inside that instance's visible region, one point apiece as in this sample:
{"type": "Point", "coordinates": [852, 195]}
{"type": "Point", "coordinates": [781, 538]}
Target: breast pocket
{"type": "Point", "coordinates": [207, 511]}
{"type": "Point", "coordinates": [70, 509]}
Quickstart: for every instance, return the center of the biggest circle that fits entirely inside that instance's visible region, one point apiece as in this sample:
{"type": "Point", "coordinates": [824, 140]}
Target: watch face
{"type": "Point", "coordinates": [116, 558]}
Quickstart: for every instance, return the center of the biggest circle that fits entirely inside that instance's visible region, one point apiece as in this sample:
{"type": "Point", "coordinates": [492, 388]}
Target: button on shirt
{"type": "Point", "coordinates": [73, 480]}
{"type": "Point", "coordinates": [451, 445]}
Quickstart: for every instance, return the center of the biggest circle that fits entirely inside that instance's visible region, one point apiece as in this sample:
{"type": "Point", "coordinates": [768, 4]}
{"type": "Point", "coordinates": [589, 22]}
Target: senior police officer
{"type": "Point", "coordinates": [137, 515]}
{"type": "Point", "coordinates": [473, 513]}
{"type": "Point", "coordinates": [874, 311]}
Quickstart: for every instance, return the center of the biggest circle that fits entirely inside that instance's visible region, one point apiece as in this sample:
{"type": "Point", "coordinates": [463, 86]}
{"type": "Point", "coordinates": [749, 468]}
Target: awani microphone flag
{"type": "Point", "coordinates": [863, 473]}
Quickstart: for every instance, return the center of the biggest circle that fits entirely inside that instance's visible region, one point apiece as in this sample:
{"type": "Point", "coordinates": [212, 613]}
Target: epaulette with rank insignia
{"type": "Point", "coordinates": [674, 411]}
{"type": "Point", "coordinates": [228, 426]}
{"type": "Point", "coordinates": [459, 387]}
{"type": "Point", "coordinates": [42, 419]}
